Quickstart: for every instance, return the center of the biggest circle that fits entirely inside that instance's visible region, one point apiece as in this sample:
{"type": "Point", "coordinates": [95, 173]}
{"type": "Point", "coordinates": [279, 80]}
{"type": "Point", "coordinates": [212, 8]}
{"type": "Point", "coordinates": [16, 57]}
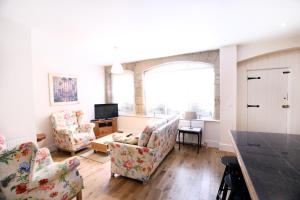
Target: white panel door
{"type": "Point", "coordinates": [267, 100]}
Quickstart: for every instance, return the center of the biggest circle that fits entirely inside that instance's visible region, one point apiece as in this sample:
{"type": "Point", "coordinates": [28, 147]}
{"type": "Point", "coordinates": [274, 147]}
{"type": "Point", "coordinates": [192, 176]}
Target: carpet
{"type": "Point", "coordinates": [95, 156]}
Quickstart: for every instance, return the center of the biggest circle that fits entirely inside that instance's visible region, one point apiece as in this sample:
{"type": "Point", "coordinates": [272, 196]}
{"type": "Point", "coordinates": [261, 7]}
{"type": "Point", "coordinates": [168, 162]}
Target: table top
{"type": "Point", "coordinates": [188, 129]}
{"type": "Point", "coordinates": [103, 140]}
{"type": "Point", "coordinates": [270, 163]}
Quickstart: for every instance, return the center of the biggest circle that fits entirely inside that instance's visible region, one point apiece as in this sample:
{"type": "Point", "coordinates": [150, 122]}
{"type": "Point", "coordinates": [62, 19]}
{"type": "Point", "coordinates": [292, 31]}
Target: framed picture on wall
{"type": "Point", "coordinates": [63, 89]}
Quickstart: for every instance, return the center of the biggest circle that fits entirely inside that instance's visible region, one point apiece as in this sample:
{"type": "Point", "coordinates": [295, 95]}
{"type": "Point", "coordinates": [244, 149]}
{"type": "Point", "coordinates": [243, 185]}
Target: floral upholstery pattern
{"type": "Point", "coordinates": [146, 134]}
{"type": "Point", "coordinates": [2, 147]}
{"type": "Point", "coordinates": [138, 162]}
{"type": "Point", "coordinates": [68, 131]}
{"type": "Point", "coordinates": [132, 161]}
{"type": "Point", "coordinates": [163, 139]}
{"type": "Point", "coordinates": [123, 138]}
{"type": "Point", "coordinates": [2, 143]}
{"type": "Point", "coordinates": [82, 139]}
{"type": "Point", "coordinates": [29, 173]}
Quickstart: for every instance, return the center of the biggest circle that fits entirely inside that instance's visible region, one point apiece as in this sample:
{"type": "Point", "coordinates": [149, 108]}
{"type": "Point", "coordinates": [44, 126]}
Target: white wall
{"type": "Point", "coordinates": [134, 123]}
{"type": "Point", "coordinates": [16, 87]}
{"type": "Point", "coordinates": [288, 58]}
{"type": "Point", "coordinates": [53, 53]}
{"type": "Point", "coordinates": [247, 51]}
{"type": "Point", "coordinates": [228, 95]}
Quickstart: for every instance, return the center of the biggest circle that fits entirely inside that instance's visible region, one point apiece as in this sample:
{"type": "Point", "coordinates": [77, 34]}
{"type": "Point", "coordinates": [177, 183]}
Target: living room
{"type": "Point", "coordinates": [172, 54]}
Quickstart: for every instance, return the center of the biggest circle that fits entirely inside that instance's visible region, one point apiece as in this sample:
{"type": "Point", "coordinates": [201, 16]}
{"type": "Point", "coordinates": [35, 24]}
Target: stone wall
{"type": "Point", "coordinates": [140, 67]}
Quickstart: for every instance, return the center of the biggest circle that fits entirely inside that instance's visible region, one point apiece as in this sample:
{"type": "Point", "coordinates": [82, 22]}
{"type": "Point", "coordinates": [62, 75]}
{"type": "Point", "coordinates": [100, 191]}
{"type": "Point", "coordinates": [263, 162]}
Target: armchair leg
{"type": "Point", "coordinates": [79, 195]}
{"type": "Point", "coordinates": [112, 175]}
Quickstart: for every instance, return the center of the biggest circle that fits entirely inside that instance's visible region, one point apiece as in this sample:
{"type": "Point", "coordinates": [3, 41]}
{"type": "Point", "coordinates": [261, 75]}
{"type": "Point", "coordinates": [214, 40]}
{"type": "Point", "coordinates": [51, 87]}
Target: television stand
{"type": "Point", "coordinates": [105, 127]}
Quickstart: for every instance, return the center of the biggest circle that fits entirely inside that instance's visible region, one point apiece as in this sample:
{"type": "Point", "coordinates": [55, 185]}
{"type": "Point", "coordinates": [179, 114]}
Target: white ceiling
{"type": "Point", "coordinates": [146, 29]}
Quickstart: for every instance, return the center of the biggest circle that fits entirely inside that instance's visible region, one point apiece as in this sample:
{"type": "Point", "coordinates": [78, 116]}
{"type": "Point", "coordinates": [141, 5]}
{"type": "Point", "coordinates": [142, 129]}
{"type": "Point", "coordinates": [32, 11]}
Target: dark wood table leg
{"type": "Point", "coordinates": [200, 138]}
{"type": "Point", "coordinates": [198, 142]}
{"type": "Point", "coordinates": [179, 139]}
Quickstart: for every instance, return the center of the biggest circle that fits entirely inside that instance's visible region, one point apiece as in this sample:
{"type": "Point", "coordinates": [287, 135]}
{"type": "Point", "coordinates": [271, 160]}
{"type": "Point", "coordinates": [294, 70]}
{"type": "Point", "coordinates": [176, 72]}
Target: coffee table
{"type": "Point", "coordinates": [101, 144]}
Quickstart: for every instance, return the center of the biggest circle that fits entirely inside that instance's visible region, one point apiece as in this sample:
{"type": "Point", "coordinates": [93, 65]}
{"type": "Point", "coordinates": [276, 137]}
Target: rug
{"type": "Point", "coordinates": [95, 156]}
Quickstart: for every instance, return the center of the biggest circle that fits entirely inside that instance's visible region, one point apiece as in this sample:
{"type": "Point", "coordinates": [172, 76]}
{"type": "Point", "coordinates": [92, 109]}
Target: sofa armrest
{"type": "Point", "coordinates": [132, 160]}
{"type": "Point", "coordinates": [42, 159]}
{"type": "Point", "coordinates": [87, 127]}
{"type": "Point", "coordinates": [57, 170]}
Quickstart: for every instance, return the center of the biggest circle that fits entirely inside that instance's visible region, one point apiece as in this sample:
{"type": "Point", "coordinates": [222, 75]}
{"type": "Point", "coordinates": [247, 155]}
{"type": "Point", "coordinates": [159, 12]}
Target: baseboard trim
{"type": "Point", "coordinates": [226, 147]}
{"type": "Point", "coordinates": [212, 143]}
{"type": "Point", "coordinates": [208, 143]}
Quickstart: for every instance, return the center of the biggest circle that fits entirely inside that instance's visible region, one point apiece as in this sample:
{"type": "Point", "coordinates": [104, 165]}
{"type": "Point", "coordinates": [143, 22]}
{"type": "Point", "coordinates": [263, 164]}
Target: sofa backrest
{"type": "Point", "coordinates": [171, 117]}
{"type": "Point", "coordinates": [66, 119]}
{"type": "Point", "coordinates": [164, 135]}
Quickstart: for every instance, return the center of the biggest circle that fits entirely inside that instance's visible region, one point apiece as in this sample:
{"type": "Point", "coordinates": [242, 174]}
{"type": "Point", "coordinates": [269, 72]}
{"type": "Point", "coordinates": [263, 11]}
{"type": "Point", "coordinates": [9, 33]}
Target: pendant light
{"type": "Point", "coordinates": [116, 68]}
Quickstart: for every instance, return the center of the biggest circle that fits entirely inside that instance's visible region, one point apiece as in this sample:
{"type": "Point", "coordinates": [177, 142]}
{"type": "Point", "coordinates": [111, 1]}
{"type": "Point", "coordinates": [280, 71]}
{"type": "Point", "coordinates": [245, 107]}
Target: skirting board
{"type": "Point", "coordinates": [208, 143]}
{"type": "Point", "coordinates": [226, 147]}
{"type": "Point", "coordinates": [212, 143]}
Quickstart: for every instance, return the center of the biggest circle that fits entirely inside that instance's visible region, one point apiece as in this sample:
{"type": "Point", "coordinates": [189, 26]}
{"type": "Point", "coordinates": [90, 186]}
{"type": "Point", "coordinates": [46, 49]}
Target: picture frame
{"type": "Point", "coordinates": [63, 89]}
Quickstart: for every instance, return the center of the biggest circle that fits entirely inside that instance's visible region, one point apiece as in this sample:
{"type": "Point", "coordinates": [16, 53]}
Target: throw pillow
{"type": "Point", "coordinates": [145, 136]}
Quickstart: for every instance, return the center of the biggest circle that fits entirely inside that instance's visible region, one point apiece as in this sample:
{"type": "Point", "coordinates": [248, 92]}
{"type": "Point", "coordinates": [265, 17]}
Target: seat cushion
{"type": "Point", "coordinates": [82, 139]}
{"type": "Point", "coordinates": [125, 138]}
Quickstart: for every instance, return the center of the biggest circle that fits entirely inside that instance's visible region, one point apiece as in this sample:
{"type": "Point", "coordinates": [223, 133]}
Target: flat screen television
{"type": "Point", "coordinates": [106, 111]}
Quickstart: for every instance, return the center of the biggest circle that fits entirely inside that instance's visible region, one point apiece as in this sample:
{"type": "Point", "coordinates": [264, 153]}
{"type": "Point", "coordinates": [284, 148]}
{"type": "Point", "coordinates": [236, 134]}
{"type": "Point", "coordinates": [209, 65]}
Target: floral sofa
{"type": "Point", "coordinates": [68, 131]}
{"type": "Point", "coordinates": [140, 161]}
{"type": "Point", "coordinates": [29, 173]}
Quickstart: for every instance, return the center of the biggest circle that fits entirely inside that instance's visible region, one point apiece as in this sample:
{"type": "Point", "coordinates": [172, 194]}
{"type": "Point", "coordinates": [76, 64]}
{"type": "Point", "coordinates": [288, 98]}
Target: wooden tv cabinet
{"type": "Point", "coordinates": [105, 127]}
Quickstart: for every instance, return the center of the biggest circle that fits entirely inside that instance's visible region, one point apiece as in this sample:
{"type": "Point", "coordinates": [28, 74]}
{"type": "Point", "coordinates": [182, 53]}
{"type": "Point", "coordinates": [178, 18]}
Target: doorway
{"type": "Point", "coordinates": [267, 100]}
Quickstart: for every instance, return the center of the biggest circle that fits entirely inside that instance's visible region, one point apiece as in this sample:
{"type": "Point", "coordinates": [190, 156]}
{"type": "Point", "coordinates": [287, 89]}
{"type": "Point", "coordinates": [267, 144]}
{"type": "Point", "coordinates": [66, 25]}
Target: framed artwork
{"type": "Point", "coordinates": [63, 89]}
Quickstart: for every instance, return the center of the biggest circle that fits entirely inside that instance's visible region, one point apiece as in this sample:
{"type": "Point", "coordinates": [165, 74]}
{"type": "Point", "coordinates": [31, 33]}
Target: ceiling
{"type": "Point", "coordinates": [147, 29]}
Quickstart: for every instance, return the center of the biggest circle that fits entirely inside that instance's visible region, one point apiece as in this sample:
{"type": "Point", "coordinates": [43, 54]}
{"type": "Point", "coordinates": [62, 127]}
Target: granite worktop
{"type": "Point", "coordinates": [272, 161]}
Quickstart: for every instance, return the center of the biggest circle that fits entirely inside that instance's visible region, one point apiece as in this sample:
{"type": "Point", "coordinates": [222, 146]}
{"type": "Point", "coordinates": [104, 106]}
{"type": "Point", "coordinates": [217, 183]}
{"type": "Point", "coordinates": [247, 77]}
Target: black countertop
{"type": "Point", "coordinates": [272, 161]}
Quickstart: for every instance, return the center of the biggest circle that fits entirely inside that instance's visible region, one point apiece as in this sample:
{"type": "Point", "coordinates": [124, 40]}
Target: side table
{"type": "Point", "coordinates": [194, 131]}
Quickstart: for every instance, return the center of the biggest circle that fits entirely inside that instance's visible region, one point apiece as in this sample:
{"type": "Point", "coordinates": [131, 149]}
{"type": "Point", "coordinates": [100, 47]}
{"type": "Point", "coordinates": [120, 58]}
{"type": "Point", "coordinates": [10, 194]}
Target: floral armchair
{"type": "Point", "coordinates": [29, 173]}
{"type": "Point", "coordinates": [68, 131]}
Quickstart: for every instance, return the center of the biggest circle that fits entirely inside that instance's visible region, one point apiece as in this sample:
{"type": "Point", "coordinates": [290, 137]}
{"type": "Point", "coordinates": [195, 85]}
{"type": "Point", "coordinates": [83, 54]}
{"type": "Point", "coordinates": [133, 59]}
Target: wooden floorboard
{"type": "Point", "coordinates": [183, 175]}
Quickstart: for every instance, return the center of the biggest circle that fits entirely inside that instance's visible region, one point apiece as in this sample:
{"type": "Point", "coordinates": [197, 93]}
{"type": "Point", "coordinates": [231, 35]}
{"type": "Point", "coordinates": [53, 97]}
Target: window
{"type": "Point", "coordinates": [180, 86]}
{"type": "Point", "coordinates": [123, 91]}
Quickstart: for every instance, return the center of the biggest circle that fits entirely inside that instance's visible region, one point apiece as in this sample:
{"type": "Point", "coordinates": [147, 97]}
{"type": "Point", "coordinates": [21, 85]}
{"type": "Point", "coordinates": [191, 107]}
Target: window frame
{"type": "Point", "coordinates": [156, 69]}
{"type": "Point", "coordinates": [125, 72]}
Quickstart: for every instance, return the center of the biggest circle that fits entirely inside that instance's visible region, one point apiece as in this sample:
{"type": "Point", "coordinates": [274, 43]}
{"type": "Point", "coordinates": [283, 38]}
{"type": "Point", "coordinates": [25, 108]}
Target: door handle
{"type": "Point", "coordinates": [252, 106]}
{"type": "Point", "coordinates": [285, 106]}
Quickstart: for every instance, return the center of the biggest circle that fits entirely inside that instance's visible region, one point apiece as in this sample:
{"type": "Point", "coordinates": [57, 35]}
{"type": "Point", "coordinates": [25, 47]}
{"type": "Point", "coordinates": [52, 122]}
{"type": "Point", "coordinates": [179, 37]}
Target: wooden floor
{"type": "Point", "coordinates": [183, 175]}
